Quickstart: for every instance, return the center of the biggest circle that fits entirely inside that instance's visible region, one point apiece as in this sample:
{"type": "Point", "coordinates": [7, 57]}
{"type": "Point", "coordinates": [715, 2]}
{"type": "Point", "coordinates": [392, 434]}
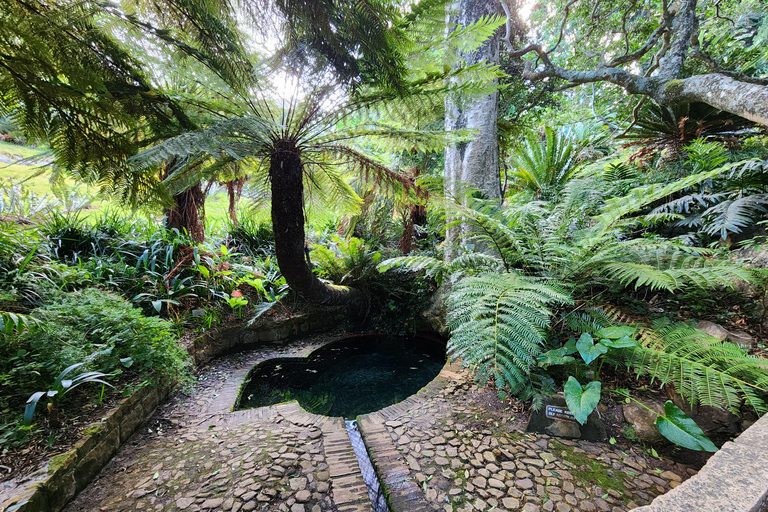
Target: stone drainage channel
{"type": "Point", "coordinates": [376, 493]}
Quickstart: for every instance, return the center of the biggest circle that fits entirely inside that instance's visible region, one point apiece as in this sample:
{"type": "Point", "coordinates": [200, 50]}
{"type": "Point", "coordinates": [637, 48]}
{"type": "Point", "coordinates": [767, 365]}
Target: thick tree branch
{"type": "Point", "coordinates": [738, 94]}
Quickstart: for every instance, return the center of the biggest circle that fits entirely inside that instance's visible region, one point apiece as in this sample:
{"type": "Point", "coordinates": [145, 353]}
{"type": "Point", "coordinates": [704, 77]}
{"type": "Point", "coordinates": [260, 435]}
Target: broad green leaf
{"type": "Point", "coordinates": [588, 350]}
{"type": "Point", "coordinates": [581, 400]}
{"type": "Point", "coordinates": [554, 357]}
{"type": "Point", "coordinates": [615, 332]}
{"type": "Point", "coordinates": [570, 346]}
{"type": "Point", "coordinates": [624, 342]}
{"type": "Point", "coordinates": [682, 430]}
{"type": "Point", "coordinates": [29, 410]}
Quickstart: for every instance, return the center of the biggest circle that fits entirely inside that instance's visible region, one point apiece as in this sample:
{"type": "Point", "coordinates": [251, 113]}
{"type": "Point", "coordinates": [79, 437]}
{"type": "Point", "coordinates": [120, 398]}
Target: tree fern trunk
{"type": "Point", "coordinates": [474, 163]}
{"type": "Point", "coordinates": [286, 174]}
{"type": "Point", "coordinates": [188, 213]}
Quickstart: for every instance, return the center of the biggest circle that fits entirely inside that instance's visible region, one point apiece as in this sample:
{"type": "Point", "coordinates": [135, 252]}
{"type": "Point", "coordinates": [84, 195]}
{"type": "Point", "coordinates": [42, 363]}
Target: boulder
{"type": "Point", "coordinates": [717, 424]}
{"type": "Point", "coordinates": [643, 421]}
{"type": "Point", "coordinates": [555, 419]}
{"type": "Point", "coordinates": [713, 329]}
{"type": "Point", "coordinates": [743, 339]}
{"type": "Point", "coordinates": [433, 317]}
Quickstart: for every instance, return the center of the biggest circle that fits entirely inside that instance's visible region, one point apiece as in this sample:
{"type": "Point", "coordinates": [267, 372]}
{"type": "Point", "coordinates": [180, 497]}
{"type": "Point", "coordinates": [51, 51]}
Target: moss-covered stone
{"type": "Point", "coordinates": [62, 461]}
{"type": "Point", "coordinates": [589, 471]}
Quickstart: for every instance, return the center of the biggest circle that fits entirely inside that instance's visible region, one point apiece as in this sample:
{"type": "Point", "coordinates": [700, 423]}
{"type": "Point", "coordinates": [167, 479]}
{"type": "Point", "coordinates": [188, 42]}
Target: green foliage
{"type": "Point", "coordinates": [94, 327]}
{"type": "Point", "coordinates": [682, 430]}
{"type": "Point", "coordinates": [581, 400]}
{"type": "Point", "coordinates": [15, 322]}
{"type": "Point", "coordinates": [61, 387]}
{"type": "Point", "coordinates": [675, 126]}
{"type": "Point", "coordinates": [252, 237]}
{"type": "Point", "coordinates": [498, 325]}
{"type": "Point", "coordinates": [543, 167]}
{"type": "Point", "coordinates": [703, 369]}
{"type": "Point", "coordinates": [350, 262]}
{"type": "Point", "coordinates": [721, 206]}
{"type": "Point", "coordinates": [470, 263]}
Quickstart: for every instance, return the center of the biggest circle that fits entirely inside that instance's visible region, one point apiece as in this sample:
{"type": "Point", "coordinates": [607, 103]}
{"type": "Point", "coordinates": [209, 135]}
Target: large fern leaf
{"type": "Point", "coordinates": [703, 369]}
{"type": "Point", "coordinates": [497, 324]}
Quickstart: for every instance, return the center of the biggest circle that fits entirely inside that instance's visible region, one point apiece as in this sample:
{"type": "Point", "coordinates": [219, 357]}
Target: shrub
{"type": "Point", "coordinates": [90, 326]}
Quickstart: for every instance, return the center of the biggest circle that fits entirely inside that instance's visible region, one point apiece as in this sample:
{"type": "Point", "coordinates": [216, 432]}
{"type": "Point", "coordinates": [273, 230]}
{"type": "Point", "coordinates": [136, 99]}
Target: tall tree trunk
{"type": "Point", "coordinates": [286, 174]}
{"type": "Point", "coordinates": [234, 191]}
{"type": "Point", "coordinates": [474, 163]}
{"type": "Point", "coordinates": [188, 213]}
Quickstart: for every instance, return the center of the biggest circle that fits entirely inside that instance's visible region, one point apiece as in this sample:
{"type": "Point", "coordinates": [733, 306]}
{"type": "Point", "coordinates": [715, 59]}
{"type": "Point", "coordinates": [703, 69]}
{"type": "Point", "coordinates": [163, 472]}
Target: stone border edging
{"type": "Point", "coordinates": [735, 479]}
{"type": "Point", "coordinates": [70, 472]}
{"type": "Point", "coordinates": [218, 341]}
{"type": "Point", "coordinates": [403, 495]}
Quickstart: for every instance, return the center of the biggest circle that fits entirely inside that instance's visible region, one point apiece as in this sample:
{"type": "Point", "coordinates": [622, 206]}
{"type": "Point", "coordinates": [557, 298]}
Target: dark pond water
{"type": "Point", "coordinates": [349, 377]}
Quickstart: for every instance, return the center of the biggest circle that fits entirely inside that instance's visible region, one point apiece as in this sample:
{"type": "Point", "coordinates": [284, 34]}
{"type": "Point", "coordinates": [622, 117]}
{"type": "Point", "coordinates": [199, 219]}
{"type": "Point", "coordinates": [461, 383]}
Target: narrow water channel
{"type": "Point", "coordinates": [376, 493]}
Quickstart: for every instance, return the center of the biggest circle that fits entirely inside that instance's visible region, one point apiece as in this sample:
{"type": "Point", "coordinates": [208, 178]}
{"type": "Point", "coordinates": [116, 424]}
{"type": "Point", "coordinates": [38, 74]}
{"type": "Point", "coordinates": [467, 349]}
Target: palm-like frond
{"type": "Point", "coordinates": [544, 166]}
{"type": "Point", "coordinates": [439, 270]}
{"type": "Point", "coordinates": [732, 215]}
{"type": "Point", "coordinates": [703, 369]}
{"type": "Point", "coordinates": [497, 324]}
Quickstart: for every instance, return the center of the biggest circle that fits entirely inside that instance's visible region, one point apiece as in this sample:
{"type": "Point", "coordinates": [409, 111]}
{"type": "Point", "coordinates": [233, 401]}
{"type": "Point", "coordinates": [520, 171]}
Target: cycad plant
{"type": "Point", "coordinates": [723, 206]}
{"type": "Point", "coordinates": [672, 128]}
{"type": "Point", "coordinates": [542, 166]}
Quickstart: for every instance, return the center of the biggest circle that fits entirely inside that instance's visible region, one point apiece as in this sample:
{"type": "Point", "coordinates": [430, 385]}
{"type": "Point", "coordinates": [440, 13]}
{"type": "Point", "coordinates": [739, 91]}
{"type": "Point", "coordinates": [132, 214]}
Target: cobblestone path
{"type": "Point", "coordinates": [442, 449]}
{"type": "Point", "coordinates": [195, 454]}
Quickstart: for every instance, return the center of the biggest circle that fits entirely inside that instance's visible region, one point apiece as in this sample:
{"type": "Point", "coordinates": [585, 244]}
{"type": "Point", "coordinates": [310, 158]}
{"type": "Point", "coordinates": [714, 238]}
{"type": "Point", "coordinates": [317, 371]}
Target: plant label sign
{"type": "Point", "coordinates": [559, 413]}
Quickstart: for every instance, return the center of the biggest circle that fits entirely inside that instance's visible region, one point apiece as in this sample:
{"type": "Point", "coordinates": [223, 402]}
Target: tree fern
{"type": "Point", "coordinates": [702, 369]}
{"type": "Point", "coordinates": [497, 324]}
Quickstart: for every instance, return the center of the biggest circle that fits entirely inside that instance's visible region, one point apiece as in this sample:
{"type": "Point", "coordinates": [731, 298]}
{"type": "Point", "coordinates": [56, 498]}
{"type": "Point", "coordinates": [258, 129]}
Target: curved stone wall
{"type": "Point", "coordinates": [735, 479]}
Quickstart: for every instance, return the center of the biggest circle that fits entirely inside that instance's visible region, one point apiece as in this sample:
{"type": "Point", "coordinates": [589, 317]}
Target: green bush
{"type": "Point", "coordinates": [90, 326]}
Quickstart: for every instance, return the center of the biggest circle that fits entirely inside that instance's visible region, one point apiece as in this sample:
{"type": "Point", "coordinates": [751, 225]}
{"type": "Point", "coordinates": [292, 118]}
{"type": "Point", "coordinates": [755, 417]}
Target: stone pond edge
{"type": "Point", "coordinates": [735, 479]}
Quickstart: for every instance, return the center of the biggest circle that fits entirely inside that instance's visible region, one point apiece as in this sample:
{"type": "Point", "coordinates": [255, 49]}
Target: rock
{"type": "Point", "coordinates": [743, 339]}
{"type": "Point", "coordinates": [713, 329]}
{"type": "Point", "coordinates": [716, 423]}
{"type": "Point", "coordinates": [298, 484]}
{"type": "Point", "coordinates": [212, 503]}
{"type": "Point", "coordinates": [303, 496]}
{"type": "Point", "coordinates": [183, 503]}
{"type": "Point", "coordinates": [555, 419]}
{"type": "Point", "coordinates": [642, 421]}
{"type": "Point", "coordinates": [567, 429]}
{"type": "Point", "coordinates": [510, 503]}
{"type": "Point", "coordinates": [434, 316]}
{"type": "Point", "coordinates": [489, 457]}
{"type": "Point", "coordinates": [525, 483]}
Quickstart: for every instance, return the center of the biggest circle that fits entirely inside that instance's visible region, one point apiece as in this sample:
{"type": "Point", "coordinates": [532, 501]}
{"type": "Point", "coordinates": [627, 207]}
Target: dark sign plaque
{"type": "Point", "coordinates": [559, 413]}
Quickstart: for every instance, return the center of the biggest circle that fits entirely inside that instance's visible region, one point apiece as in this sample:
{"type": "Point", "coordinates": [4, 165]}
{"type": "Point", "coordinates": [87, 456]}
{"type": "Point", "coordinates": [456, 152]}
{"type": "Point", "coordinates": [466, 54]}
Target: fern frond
{"type": "Point", "coordinates": [497, 324]}
{"type": "Point", "coordinates": [703, 369]}
{"type": "Point", "coordinates": [432, 267]}
{"type": "Point", "coordinates": [734, 214]}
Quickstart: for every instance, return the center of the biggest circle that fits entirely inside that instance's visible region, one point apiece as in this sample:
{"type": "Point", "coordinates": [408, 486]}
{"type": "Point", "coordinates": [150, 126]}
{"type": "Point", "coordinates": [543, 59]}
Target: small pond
{"type": "Point", "coordinates": [349, 377]}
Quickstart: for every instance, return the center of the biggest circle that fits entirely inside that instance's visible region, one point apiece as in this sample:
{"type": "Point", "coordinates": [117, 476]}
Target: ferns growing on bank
{"type": "Point", "coordinates": [703, 369]}
{"type": "Point", "coordinates": [501, 307]}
